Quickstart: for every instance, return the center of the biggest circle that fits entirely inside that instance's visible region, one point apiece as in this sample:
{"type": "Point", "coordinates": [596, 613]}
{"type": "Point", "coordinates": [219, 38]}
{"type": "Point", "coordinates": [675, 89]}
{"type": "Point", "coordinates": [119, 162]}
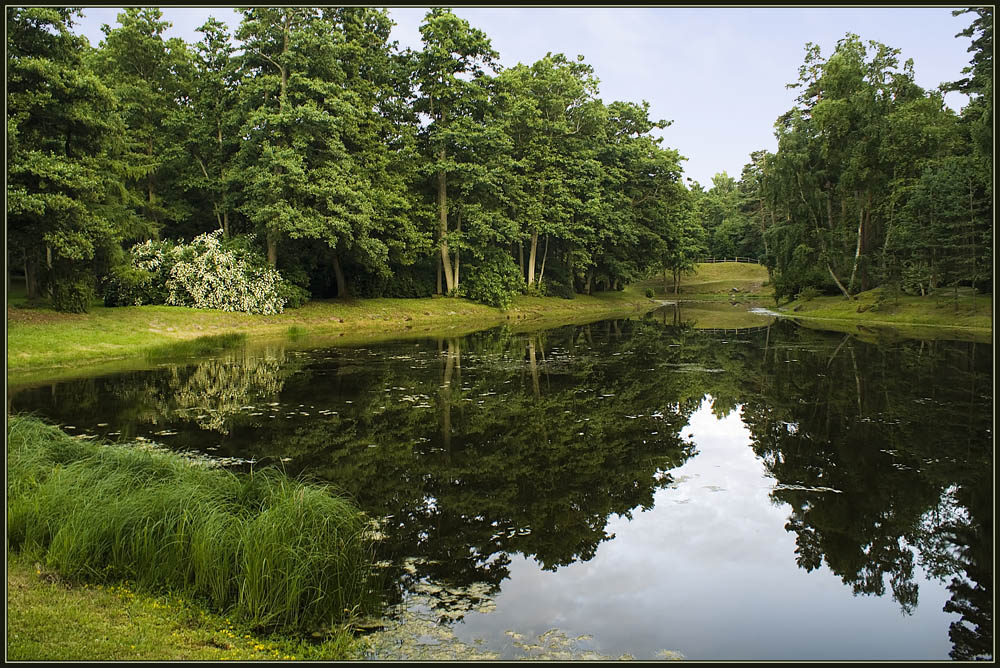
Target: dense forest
{"type": "Point", "coordinates": [307, 155]}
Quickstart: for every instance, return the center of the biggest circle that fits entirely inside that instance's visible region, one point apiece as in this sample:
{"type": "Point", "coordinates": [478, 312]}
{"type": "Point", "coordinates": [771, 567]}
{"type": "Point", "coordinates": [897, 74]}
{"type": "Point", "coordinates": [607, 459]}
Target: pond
{"type": "Point", "coordinates": [629, 488]}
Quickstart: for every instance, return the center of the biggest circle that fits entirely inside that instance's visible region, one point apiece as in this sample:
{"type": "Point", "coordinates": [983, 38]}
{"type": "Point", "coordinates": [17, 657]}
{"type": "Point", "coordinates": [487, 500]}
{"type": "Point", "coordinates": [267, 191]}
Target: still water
{"type": "Point", "coordinates": [630, 488]}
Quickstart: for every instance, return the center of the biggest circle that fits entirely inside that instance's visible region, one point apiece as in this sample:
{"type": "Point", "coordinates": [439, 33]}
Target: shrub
{"type": "Point", "coordinates": [494, 280]}
{"type": "Point", "coordinates": [128, 285]}
{"type": "Point", "coordinates": [650, 293]}
{"type": "Point", "coordinates": [72, 294]}
{"type": "Point", "coordinates": [203, 274]}
{"type": "Point", "coordinates": [808, 294]}
{"type": "Point", "coordinates": [294, 295]}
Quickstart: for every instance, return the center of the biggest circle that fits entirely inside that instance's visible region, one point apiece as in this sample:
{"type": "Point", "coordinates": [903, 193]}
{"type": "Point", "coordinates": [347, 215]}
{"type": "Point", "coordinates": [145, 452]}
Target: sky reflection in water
{"type": "Point", "coordinates": [709, 572]}
{"type": "Point", "coordinates": [501, 462]}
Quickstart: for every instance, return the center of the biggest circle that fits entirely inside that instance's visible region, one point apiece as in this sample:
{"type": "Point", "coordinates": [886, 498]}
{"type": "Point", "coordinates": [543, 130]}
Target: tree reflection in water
{"type": "Point", "coordinates": [475, 449]}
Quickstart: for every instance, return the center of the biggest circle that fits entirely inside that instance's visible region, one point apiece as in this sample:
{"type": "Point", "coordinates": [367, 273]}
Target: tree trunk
{"type": "Point", "coordinates": [666, 283]}
{"type": "Point", "coordinates": [857, 250]}
{"type": "Point", "coordinates": [438, 264]}
{"type": "Point", "coordinates": [531, 258]}
{"type": "Point", "coordinates": [449, 277]}
{"type": "Point", "coordinates": [338, 273]}
{"type": "Point", "coordinates": [569, 270]}
{"type": "Point", "coordinates": [272, 248]}
{"type": "Point", "coordinates": [520, 258]}
{"type": "Point", "coordinates": [31, 283]}
{"type": "Point", "coordinates": [545, 254]}
{"type": "Point", "coordinates": [866, 244]}
{"type": "Point", "coordinates": [458, 228]}
{"type": "Point", "coordinates": [837, 281]}
{"type": "Point", "coordinates": [587, 283]}
{"type": "Point", "coordinates": [677, 281]}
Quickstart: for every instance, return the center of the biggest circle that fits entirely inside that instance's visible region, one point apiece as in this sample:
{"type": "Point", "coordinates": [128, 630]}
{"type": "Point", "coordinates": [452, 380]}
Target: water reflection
{"type": "Point", "coordinates": [481, 452]}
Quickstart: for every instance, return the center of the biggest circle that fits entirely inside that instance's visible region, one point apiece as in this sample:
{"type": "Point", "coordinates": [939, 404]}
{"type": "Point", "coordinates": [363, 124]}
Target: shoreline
{"type": "Point", "coordinates": [43, 344]}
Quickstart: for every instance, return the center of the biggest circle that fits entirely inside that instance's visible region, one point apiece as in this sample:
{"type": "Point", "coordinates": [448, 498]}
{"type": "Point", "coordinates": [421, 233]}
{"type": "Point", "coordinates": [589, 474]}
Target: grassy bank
{"type": "Point", "coordinates": [920, 317]}
{"type": "Point", "coordinates": [41, 338]}
{"type": "Point", "coordinates": [43, 344]}
{"type": "Point", "coordinates": [716, 281]}
{"type": "Point", "coordinates": [272, 553]}
{"type": "Point", "coordinates": [53, 618]}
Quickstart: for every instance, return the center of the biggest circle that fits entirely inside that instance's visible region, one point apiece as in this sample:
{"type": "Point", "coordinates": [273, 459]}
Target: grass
{"type": "Point", "coordinates": [52, 618]}
{"type": "Point", "coordinates": [43, 345]}
{"type": "Point", "coordinates": [931, 316]}
{"type": "Point", "coordinates": [40, 338]}
{"type": "Point", "coordinates": [715, 315]}
{"type": "Point", "coordinates": [716, 281]}
{"type": "Point", "coordinates": [275, 553]}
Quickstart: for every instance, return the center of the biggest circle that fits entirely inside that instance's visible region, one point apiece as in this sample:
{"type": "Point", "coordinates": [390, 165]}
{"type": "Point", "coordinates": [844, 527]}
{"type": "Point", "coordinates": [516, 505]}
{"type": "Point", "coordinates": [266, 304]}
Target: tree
{"type": "Point", "coordinates": [205, 130]}
{"type": "Point", "coordinates": [145, 71]}
{"type": "Point", "coordinates": [978, 82]}
{"type": "Point", "coordinates": [313, 158]}
{"type": "Point", "coordinates": [849, 156]}
{"type": "Point", "coordinates": [62, 126]}
{"type": "Point", "coordinates": [449, 70]}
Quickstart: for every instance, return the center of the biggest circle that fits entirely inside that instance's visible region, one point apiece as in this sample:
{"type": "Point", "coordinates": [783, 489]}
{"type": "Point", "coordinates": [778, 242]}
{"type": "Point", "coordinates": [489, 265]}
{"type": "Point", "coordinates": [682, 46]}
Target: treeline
{"type": "Point", "coordinates": [874, 183]}
{"type": "Point", "coordinates": [321, 149]}
{"type": "Point", "coordinates": [356, 167]}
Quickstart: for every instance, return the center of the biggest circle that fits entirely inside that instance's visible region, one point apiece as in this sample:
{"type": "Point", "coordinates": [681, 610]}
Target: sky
{"type": "Point", "coordinates": [717, 73]}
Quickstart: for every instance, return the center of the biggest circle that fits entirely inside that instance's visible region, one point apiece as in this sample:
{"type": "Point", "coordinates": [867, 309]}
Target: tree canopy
{"type": "Point", "coordinates": [359, 168]}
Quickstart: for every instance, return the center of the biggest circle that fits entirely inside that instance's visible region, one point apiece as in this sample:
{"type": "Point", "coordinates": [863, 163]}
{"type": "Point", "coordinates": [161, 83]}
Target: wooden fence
{"type": "Point", "coordinates": [750, 260]}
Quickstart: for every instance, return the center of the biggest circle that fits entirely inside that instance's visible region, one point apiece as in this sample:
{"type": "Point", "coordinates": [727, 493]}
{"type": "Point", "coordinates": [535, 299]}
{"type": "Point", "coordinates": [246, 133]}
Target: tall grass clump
{"type": "Point", "coordinates": [282, 554]}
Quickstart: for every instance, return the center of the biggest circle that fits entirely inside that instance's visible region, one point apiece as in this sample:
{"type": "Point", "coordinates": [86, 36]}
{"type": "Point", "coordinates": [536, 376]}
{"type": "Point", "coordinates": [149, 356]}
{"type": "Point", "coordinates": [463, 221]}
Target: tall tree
{"type": "Point", "coordinates": [204, 131]}
{"type": "Point", "coordinates": [313, 160]}
{"type": "Point", "coordinates": [142, 68]}
{"type": "Point", "coordinates": [62, 128]}
{"type": "Point", "coordinates": [449, 72]}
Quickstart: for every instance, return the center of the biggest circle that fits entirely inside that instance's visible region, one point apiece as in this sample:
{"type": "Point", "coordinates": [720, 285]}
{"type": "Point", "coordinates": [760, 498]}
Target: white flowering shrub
{"type": "Point", "coordinates": [202, 274]}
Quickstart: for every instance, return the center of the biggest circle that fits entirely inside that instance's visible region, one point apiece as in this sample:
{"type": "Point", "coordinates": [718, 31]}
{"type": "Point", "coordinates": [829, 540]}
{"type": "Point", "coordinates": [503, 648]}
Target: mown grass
{"type": "Point", "coordinates": [971, 316]}
{"type": "Point", "coordinates": [275, 553]}
{"type": "Point", "coordinates": [715, 281]}
{"type": "Point", "coordinates": [41, 338]}
{"type": "Point", "coordinates": [53, 618]}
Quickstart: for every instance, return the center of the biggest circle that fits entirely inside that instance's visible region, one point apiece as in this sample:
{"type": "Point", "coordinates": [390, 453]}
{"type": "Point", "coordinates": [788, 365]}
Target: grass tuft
{"type": "Point", "coordinates": [280, 554]}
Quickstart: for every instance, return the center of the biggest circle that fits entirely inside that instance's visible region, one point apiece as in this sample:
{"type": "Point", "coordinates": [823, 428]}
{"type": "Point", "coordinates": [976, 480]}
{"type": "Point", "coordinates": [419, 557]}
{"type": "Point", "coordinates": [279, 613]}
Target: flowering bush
{"type": "Point", "coordinates": [202, 274]}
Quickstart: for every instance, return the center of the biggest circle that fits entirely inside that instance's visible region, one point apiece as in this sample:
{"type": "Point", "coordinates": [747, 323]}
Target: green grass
{"type": "Point", "coordinates": [716, 315]}
{"type": "Point", "coordinates": [39, 338]}
{"type": "Point", "coordinates": [715, 281]}
{"type": "Point", "coordinates": [53, 618]}
{"type": "Point", "coordinates": [45, 345]}
{"type": "Point", "coordinates": [275, 553]}
{"type": "Point", "coordinates": [918, 316]}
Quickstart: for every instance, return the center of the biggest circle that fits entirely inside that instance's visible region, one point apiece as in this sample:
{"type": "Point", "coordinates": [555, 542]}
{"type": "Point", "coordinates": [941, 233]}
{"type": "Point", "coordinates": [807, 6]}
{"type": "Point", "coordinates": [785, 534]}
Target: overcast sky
{"type": "Point", "coordinates": [718, 73]}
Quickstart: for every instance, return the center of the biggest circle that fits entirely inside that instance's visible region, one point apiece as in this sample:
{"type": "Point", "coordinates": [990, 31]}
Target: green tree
{"type": "Point", "coordinates": [63, 216]}
{"type": "Point", "coordinates": [448, 72]}
{"type": "Point", "coordinates": [205, 130]}
{"type": "Point", "coordinates": [314, 159]}
{"type": "Point", "coordinates": [145, 71]}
